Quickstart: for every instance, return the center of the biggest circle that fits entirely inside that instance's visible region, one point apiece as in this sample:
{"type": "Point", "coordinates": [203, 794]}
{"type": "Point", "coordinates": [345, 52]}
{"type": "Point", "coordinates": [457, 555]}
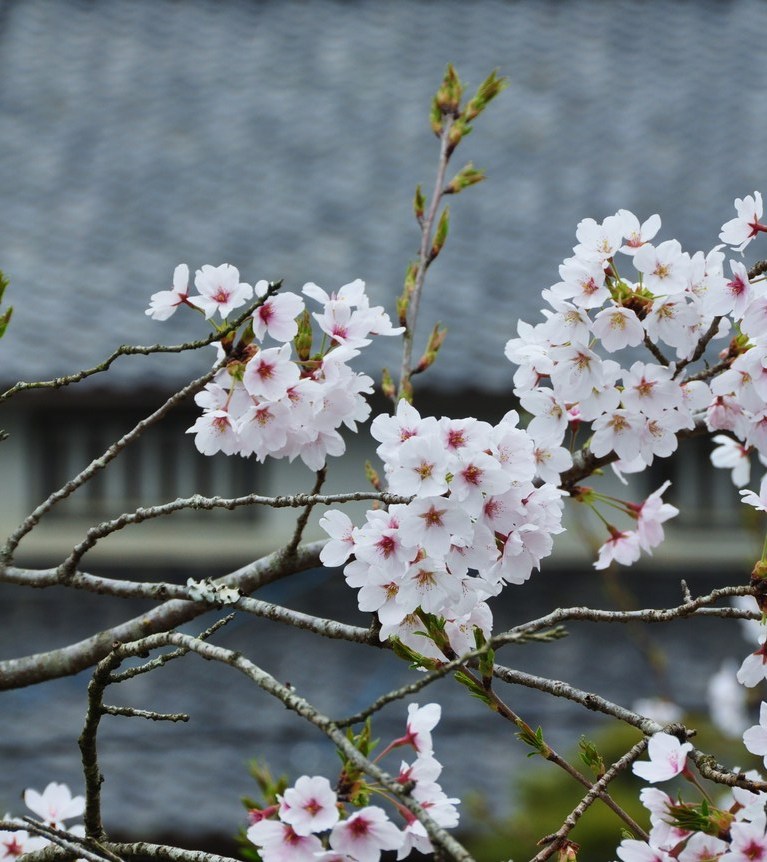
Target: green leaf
{"type": "Point", "coordinates": [440, 234]}
{"type": "Point", "coordinates": [5, 320]}
{"type": "Point", "coordinates": [419, 203]}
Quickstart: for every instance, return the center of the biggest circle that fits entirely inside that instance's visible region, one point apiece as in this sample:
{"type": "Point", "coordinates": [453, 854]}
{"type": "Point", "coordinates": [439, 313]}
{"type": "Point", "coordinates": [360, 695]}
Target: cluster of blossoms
{"type": "Point", "coordinates": [672, 302]}
{"type": "Point", "coordinates": [286, 401]}
{"type": "Point", "coordinates": [53, 806]}
{"type": "Point", "coordinates": [735, 830]}
{"type": "Point", "coordinates": [309, 821]}
{"type": "Point", "coordinates": [484, 499]}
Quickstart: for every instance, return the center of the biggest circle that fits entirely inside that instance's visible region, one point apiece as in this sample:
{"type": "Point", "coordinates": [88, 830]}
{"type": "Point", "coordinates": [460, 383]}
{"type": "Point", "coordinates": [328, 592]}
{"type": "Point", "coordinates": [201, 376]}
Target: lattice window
{"type": "Point", "coordinates": [160, 466]}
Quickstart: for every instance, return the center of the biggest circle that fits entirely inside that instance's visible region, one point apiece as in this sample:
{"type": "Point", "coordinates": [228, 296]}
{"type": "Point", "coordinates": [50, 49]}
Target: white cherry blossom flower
{"type": "Point", "coordinates": [277, 315]}
{"type": "Point", "coordinates": [665, 268]}
{"type": "Point", "coordinates": [618, 327]}
{"type": "Point", "coordinates": [55, 804]}
{"type": "Point", "coordinates": [279, 842]}
{"type": "Point", "coordinates": [220, 289]}
{"type": "Point", "coordinates": [623, 546]}
{"type": "Point", "coordinates": [636, 235]}
{"type": "Point", "coordinates": [365, 834]}
{"type": "Point", "coordinates": [668, 757]}
{"type": "Point", "coordinates": [164, 303]}
{"type": "Point", "coordinates": [741, 230]}
{"type": "Point", "coordinates": [309, 806]}
{"type": "Point", "coordinates": [758, 501]}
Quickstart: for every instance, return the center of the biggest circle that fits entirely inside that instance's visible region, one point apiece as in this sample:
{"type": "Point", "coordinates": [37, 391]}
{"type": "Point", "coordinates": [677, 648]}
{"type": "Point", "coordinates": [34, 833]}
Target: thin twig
{"type": "Point", "coordinates": [424, 260]}
{"type": "Point", "coordinates": [556, 840]}
{"type": "Point", "coordinates": [303, 518]}
{"type": "Point", "coordinates": [33, 519]}
{"type": "Point", "coordinates": [71, 659]}
{"type": "Point", "coordinates": [138, 350]}
{"type": "Point", "coordinates": [199, 502]}
{"type": "Point", "coordinates": [303, 708]}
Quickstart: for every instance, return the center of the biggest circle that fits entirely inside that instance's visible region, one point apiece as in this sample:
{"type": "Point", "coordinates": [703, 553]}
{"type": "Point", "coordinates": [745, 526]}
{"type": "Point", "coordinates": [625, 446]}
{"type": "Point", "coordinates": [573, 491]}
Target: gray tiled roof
{"type": "Point", "coordinates": [287, 137]}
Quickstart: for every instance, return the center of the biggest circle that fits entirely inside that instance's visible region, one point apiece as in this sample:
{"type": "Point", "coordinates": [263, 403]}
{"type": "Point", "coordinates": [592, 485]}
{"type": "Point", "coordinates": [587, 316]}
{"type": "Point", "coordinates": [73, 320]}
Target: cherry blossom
{"type": "Point", "coordinates": [634, 233]}
{"type": "Point", "coordinates": [758, 501]}
{"type": "Point", "coordinates": [665, 268]}
{"type": "Point", "coordinates": [163, 304]}
{"type": "Point", "coordinates": [741, 230]}
{"type": "Point", "coordinates": [732, 455]}
{"type": "Point", "coordinates": [623, 546]}
{"type": "Point", "coordinates": [309, 806]}
{"type": "Point", "coordinates": [277, 315]}
{"type": "Point", "coordinates": [667, 758]}
{"type": "Point", "coordinates": [55, 804]}
{"type": "Point", "coordinates": [365, 834]}
{"type": "Point", "coordinates": [755, 738]}
{"type": "Point", "coordinates": [220, 289]}
{"type": "Point", "coordinates": [279, 842]}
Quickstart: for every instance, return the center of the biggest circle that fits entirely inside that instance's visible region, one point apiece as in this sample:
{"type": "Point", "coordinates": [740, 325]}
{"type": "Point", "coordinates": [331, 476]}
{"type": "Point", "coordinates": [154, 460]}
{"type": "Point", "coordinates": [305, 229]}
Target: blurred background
{"type": "Point", "coordinates": [286, 138]}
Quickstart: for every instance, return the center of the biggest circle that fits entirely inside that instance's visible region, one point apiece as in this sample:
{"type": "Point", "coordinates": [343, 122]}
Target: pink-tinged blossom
{"type": "Point", "coordinates": [431, 522]}
{"type": "Point", "coordinates": [18, 842]}
{"type": "Point", "coordinates": [577, 372]}
{"type": "Point", "coordinates": [618, 431]}
{"type": "Point", "coordinates": [748, 842]}
{"type": "Point", "coordinates": [702, 848]}
{"type": "Point", "coordinates": [353, 294]}
{"type": "Point", "coordinates": [476, 474]}
{"type": "Point", "coordinates": [632, 850]}
{"type": "Point", "coordinates": [727, 700]}
{"type": "Point", "coordinates": [421, 469]}
{"type": "Point", "coordinates": [754, 322]}
{"type": "Point", "coordinates": [215, 432]}
{"type": "Point", "coordinates": [754, 667]}
{"type": "Point", "coordinates": [338, 525]}
{"type": "Point", "coordinates": [731, 297]}
{"type": "Point", "coordinates": [55, 804]}
{"type": "Point", "coordinates": [393, 431]}
{"type": "Point", "coordinates": [665, 268]}
{"type": "Point", "coordinates": [636, 235]}
{"type": "Point", "coordinates": [675, 322]}
{"type": "Point", "coordinates": [310, 805]}
{"type": "Point", "coordinates": [549, 413]}
{"type": "Point", "coordinates": [220, 289]}
{"type": "Point", "coordinates": [551, 460]}
{"type": "Point", "coordinates": [598, 241]}
{"type": "Point", "coordinates": [343, 324]}
{"type": "Point", "coordinates": [263, 429]}
{"type": "Point", "coordinates": [651, 515]}
{"type": "Point", "coordinates": [583, 282]}
{"type": "Point", "coordinates": [567, 323]}
{"type": "Point", "coordinates": [277, 315]}
{"type": "Point", "coordinates": [658, 436]}
{"type": "Point", "coordinates": [618, 327]}
{"type": "Point", "coordinates": [381, 546]}
{"type": "Point", "coordinates": [604, 398]}
{"type": "Point", "coordinates": [270, 373]}
{"type": "Point", "coordinates": [421, 720]}
{"type": "Point", "coordinates": [650, 389]}
{"type": "Point", "coordinates": [668, 757]}
{"type": "Point", "coordinates": [623, 547]}
{"type": "Point", "coordinates": [365, 834]}
{"type": "Point", "coordinates": [741, 230]}
{"type": "Point", "coordinates": [279, 842]}
{"type": "Point", "coordinates": [725, 414]}
{"type": "Point", "coordinates": [429, 585]}
{"type": "Point", "coordinates": [758, 501]}
{"type": "Point", "coordinates": [663, 833]}
{"type": "Point", "coordinates": [164, 303]}
{"type": "Point", "coordinates": [755, 738]}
